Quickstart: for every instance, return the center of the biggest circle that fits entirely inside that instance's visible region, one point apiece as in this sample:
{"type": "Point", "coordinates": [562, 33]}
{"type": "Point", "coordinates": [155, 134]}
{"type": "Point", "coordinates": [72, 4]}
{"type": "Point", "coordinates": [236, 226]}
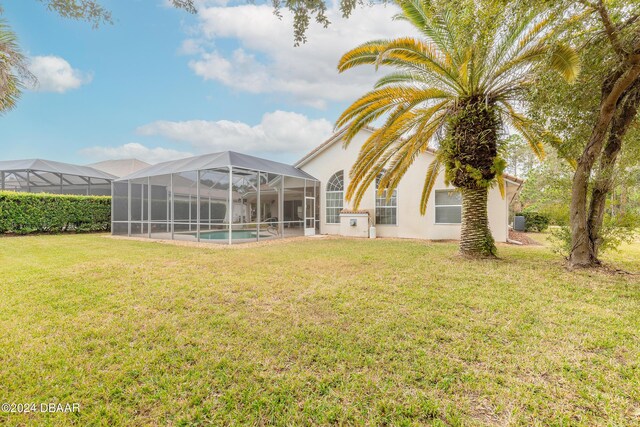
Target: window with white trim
{"type": "Point", "coordinates": [335, 197]}
{"type": "Point", "coordinates": [386, 210]}
{"type": "Point", "coordinates": [448, 207]}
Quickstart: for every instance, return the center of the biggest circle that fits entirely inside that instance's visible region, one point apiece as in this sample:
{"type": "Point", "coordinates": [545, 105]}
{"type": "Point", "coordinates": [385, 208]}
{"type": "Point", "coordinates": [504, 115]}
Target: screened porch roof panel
{"type": "Point", "coordinates": [51, 166]}
{"type": "Point", "coordinates": [224, 159]}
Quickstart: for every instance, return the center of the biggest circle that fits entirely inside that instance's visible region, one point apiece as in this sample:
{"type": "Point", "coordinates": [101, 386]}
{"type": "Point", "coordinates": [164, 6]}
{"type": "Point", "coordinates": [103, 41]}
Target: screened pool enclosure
{"type": "Point", "coordinates": [46, 176]}
{"type": "Point", "coordinates": [219, 198]}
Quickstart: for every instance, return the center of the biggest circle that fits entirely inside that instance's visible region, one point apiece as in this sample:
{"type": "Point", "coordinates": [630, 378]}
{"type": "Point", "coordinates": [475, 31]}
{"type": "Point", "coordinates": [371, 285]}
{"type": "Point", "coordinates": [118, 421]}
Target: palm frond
{"type": "Point", "coordinates": [435, 25]}
{"type": "Point", "coordinates": [407, 151]}
{"type": "Point", "coordinates": [429, 181]}
{"type": "Point", "coordinates": [561, 58]}
{"type": "Point", "coordinates": [378, 151]}
{"type": "Point", "coordinates": [405, 53]}
{"type": "Point", "coordinates": [381, 101]}
{"type": "Point", "coordinates": [566, 61]}
{"type": "Point", "coordinates": [366, 53]}
{"type": "Point", "coordinates": [501, 186]}
{"type": "Point", "coordinates": [530, 131]}
{"type": "Point", "coordinates": [504, 43]}
{"type": "Point", "coordinates": [14, 72]}
{"type": "Point", "coordinates": [402, 77]}
{"type": "Point", "coordinates": [465, 72]}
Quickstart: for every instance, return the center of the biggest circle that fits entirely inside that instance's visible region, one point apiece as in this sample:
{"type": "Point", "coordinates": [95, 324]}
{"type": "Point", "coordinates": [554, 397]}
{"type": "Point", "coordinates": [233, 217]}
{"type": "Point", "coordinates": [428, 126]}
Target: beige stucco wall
{"type": "Point", "coordinates": [410, 224]}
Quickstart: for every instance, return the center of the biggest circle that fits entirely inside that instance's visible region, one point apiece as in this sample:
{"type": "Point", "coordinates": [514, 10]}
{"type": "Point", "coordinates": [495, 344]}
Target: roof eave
{"type": "Point", "coordinates": [326, 144]}
{"type": "Point", "coordinates": [336, 137]}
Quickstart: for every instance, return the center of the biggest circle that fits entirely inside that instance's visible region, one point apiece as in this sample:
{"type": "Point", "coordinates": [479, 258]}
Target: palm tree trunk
{"type": "Point", "coordinates": [475, 238]}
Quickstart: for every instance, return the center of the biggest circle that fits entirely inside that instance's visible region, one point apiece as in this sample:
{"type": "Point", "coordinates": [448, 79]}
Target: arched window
{"type": "Point", "coordinates": [386, 210]}
{"type": "Point", "coordinates": [335, 197]}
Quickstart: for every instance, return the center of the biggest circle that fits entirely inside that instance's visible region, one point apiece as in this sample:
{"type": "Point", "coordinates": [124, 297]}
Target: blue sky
{"type": "Point", "coordinates": [161, 84]}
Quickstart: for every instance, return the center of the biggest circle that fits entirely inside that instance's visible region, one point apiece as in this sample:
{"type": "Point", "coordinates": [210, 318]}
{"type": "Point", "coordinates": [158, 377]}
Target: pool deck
{"type": "Point", "coordinates": [212, 244]}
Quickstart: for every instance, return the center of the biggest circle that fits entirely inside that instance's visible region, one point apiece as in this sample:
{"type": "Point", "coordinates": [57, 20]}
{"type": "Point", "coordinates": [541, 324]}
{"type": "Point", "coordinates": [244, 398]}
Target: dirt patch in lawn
{"type": "Point", "coordinates": [521, 237]}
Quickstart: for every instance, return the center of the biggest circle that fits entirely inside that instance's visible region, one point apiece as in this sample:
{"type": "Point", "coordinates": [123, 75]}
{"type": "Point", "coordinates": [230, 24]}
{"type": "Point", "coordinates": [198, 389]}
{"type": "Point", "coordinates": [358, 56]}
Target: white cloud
{"type": "Point", "coordinates": [279, 133]}
{"type": "Point", "coordinates": [190, 47]}
{"type": "Point", "coordinates": [133, 150]}
{"type": "Point", "coordinates": [55, 74]}
{"type": "Point", "coordinates": [241, 70]}
{"type": "Point", "coordinates": [265, 59]}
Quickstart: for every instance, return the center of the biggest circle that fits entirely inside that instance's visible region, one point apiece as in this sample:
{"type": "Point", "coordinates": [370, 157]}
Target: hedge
{"type": "Point", "coordinates": [535, 221]}
{"type": "Point", "coordinates": [24, 213]}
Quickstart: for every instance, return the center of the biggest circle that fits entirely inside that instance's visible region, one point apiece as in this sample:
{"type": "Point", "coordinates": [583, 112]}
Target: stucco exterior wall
{"type": "Point", "coordinates": [410, 224]}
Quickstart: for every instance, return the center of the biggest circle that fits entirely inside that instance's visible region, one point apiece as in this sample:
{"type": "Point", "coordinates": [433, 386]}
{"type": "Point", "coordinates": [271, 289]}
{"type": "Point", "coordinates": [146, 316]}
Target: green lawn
{"type": "Point", "coordinates": [314, 332]}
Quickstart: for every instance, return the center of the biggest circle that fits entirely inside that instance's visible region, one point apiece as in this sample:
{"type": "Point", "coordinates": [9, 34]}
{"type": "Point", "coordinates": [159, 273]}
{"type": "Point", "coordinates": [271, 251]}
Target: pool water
{"type": "Point", "coordinates": [235, 234]}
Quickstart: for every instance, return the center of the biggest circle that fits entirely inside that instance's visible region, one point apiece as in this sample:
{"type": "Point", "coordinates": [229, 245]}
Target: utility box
{"type": "Point", "coordinates": [519, 223]}
{"type": "Point", "coordinates": [354, 223]}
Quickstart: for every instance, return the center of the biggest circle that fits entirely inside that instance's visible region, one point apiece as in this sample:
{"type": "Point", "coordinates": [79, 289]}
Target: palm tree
{"type": "Point", "coordinates": [13, 69]}
{"type": "Point", "coordinates": [460, 87]}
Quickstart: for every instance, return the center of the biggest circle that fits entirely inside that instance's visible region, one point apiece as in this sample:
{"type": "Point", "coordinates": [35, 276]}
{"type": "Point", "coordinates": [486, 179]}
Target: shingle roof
{"type": "Point", "coordinates": [53, 167]}
{"type": "Point", "coordinates": [219, 160]}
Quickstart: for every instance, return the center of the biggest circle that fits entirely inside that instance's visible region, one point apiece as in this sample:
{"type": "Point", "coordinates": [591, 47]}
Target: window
{"type": "Point", "coordinates": [335, 197]}
{"type": "Point", "coordinates": [386, 210]}
{"type": "Point", "coordinates": [448, 207]}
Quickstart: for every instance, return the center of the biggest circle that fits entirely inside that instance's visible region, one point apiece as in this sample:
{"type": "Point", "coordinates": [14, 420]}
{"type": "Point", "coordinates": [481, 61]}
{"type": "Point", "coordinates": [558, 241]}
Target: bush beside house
{"type": "Point", "coordinates": [25, 213]}
{"type": "Point", "coordinates": [535, 221]}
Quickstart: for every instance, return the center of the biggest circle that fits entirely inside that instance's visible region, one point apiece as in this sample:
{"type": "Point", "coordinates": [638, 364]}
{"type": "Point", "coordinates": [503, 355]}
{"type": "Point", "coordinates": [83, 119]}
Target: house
{"type": "Point", "coordinates": [330, 164]}
{"type": "Point", "coordinates": [231, 197]}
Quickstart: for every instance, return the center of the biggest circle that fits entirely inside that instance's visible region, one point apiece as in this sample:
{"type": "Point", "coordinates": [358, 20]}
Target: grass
{"type": "Point", "coordinates": [314, 332]}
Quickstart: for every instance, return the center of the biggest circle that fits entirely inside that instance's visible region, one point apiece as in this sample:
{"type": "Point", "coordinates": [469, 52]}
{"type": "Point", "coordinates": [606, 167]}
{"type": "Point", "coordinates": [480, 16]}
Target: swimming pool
{"type": "Point", "coordinates": [235, 234]}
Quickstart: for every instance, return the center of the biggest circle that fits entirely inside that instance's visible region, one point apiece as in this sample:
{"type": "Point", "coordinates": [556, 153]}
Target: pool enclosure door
{"type": "Point", "coordinates": [309, 216]}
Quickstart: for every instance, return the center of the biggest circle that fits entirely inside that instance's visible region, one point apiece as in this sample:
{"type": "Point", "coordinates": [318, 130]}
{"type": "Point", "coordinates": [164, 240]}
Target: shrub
{"type": "Point", "coordinates": [560, 238]}
{"type": "Point", "coordinates": [24, 213]}
{"type": "Point", "coordinates": [558, 214]}
{"type": "Point", "coordinates": [615, 231]}
{"type": "Point", "coordinates": [535, 221]}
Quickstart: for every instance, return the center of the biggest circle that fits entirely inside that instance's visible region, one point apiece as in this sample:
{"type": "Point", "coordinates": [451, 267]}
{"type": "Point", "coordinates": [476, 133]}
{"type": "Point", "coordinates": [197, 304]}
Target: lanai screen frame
{"type": "Point", "coordinates": [63, 185]}
{"type": "Point", "coordinates": [146, 223]}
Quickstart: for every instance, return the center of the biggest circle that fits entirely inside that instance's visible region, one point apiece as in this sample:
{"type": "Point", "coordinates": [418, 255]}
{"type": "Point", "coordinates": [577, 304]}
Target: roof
{"type": "Point", "coordinates": [329, 142]}
{"type": "Point", "coordinates": [338, 136]}
{"type": "Point", "coordinates": [120, 167]}
{"type": "Point", "coordinates": [513, 179]}
{"type": "Point", "coordinates": [219, 160]}
{"type": "Point", "coordinates": [320, 148]}
{"type": "Point", "coordinates": [53, 167]}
